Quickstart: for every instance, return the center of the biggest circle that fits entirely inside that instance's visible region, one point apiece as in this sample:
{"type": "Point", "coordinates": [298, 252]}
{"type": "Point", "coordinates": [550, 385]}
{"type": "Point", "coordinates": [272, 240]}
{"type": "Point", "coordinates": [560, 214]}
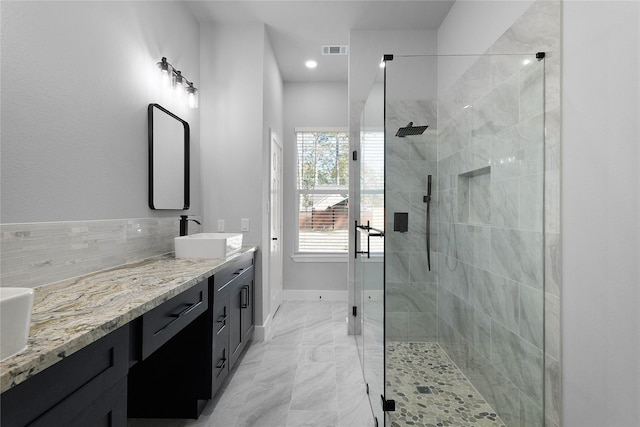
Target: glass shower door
{"type": "Point", "coordinates": [464, 338]}
{"type": "Point", "coordinates": [369, 257]}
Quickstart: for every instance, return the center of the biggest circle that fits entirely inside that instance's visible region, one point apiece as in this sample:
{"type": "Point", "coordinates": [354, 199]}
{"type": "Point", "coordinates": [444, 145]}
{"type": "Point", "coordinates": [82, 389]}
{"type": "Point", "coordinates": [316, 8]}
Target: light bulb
{"type": "Point", "coordinates": [178, 81]}
{"type": "Point", "coordinates": [165, 69]}
{"type": "Point", "coordinates": [192, 96]}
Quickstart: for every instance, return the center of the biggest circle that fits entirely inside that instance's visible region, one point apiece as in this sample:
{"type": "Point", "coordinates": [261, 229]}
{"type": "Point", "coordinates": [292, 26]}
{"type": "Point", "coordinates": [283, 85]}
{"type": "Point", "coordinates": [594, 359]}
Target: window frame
{"type": "Point", "coordinates": [299, 256]}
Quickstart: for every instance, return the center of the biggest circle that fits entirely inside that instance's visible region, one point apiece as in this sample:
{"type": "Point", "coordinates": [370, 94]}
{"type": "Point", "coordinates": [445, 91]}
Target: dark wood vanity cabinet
{"type": "Point", "coordinates": [178, 372]}
{"type": "Point", "coordinates": [88, 388]}
{"type": "Point", "coordinates": [167, 379]}
{"type": "Point", "coordinates": [164, 364]}
{"type": "Point", "coordinates": [232, 321]}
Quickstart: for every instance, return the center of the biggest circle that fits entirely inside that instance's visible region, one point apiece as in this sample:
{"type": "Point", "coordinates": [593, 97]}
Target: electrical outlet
{"type": "Point", "coordinates": [244, 224]}
{"type": "Point", "coordinates": [221, 225]}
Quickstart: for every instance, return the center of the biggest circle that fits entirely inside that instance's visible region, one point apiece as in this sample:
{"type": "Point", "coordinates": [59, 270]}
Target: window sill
{"type": "Point", "coordinates": [320, 258]}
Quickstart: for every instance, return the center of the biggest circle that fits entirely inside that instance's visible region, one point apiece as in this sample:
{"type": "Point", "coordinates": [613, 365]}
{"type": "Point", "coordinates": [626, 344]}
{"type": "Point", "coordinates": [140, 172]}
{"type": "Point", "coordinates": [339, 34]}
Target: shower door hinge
{"type": "Point", "coordinates": [388, 405]}
{"type": "Point", "coordinates": [367, 388]}
{"type": "Point", "coordinates": [354, 155]}
{"type": "Point", "coordinates": [354, 311]}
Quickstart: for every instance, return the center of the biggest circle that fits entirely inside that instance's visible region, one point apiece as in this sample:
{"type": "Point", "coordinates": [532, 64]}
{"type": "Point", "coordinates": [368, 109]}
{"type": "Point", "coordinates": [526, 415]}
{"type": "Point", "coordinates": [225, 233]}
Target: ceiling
{"type": "Point", "coordinates": [298, 29]}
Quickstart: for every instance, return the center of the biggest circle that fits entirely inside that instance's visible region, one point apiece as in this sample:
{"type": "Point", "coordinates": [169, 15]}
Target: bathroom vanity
{"type": "Point", "coordinates": [153, 339]}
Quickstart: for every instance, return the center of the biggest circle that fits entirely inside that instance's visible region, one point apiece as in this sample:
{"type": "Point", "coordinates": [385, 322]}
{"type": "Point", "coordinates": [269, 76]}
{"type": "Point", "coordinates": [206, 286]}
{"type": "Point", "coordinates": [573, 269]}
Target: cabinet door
{"type": "Point", "coordinates": [235, 332]}
{"type": "Point", "coordinates": [73, 387]}
{"type": "Point", "coordinates": [247, 308]}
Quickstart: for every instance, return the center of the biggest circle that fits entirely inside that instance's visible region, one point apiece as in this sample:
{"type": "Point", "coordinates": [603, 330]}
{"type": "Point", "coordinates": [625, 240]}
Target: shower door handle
{"type": "Point", "coordinates": [371, 232]}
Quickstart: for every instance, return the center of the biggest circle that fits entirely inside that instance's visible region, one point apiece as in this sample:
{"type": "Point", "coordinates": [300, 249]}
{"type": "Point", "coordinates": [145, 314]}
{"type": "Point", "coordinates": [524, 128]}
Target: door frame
{"type": "Point", "coordinates": [275, 262]}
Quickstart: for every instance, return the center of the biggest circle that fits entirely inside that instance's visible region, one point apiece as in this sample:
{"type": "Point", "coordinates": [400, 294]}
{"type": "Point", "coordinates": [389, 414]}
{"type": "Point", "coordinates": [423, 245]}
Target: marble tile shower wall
{"type": "Point", "coordinates": [35, 254]}
{"type": "Point", "coordinates": [411, 289]}
{"type": "Point", "coordinates": [498, 149]}
{"type": "Point", "coordinates": [490, 298]}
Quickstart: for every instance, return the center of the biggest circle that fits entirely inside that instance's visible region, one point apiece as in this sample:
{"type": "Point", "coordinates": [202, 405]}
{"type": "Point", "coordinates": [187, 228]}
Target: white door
{"type": "Point", "coordinates": [275, 219]}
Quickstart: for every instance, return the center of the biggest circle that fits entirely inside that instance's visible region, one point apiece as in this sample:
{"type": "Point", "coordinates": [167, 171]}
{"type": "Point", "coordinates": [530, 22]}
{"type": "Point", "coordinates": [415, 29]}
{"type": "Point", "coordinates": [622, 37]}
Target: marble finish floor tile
{"type": "Point", "coordinates": [430, 390]}
{"type": "Point", "coordinates": [308, 375]}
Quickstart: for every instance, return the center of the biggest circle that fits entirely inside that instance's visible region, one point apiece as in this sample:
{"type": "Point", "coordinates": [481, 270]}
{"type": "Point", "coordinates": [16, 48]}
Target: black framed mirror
{"type": "Point", "coordinates": [168, 159]}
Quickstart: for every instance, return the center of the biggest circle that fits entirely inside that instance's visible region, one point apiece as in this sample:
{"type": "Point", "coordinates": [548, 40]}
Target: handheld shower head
{"type": "Point", "coordinates": [411, 130]}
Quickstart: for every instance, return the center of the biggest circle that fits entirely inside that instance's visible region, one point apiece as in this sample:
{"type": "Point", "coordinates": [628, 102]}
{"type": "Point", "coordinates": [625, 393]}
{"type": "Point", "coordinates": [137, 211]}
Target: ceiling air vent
{"type": "Point", "coordinates": [334, 50]}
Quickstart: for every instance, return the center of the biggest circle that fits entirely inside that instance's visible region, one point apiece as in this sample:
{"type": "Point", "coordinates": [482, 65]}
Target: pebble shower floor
{"type": "Point", "coordinates": [431, 391]}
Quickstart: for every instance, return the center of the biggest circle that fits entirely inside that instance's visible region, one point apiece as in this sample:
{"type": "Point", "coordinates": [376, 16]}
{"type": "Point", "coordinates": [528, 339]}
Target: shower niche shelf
{"type": "Point", "coordinates": [474, 195]}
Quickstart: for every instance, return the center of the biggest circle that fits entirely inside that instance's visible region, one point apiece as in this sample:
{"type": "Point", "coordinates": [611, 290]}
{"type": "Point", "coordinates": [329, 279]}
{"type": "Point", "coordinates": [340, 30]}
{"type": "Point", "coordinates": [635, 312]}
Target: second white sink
{"type": "Point", "coordinates": [208, 245]}
{"type": "Point", "coordinates": [15, 319]}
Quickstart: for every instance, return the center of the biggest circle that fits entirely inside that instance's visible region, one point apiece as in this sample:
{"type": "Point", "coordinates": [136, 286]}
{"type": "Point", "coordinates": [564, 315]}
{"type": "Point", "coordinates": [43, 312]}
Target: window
{"type": "Point", "coordinates": [323, 192]}
{"type": "Point", "coordinates": [372, 185]}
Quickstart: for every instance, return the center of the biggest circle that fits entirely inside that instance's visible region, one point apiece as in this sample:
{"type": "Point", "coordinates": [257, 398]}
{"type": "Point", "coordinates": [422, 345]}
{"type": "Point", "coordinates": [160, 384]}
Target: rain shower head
{"type": "Point", "coordinates": [411, 130]}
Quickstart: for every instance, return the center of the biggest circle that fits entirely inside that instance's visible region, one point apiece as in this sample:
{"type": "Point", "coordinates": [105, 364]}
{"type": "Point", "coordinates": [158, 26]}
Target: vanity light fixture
{"type": "Point", "coordinates": [192, 96]}
{"type": "Point", "coordinates": [175, 79]}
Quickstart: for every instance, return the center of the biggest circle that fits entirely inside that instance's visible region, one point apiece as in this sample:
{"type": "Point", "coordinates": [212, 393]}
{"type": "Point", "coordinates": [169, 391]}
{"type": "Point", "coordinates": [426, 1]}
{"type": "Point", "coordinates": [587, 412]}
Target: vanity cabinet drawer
{"type": "Point", "coordinates": [165, 321]}
{"type": "Point", "coordinates": [75, 388]}
{"type": "Point", "coordinates": [109, 410]}
{"type": "Point", "coordinates": [220, 325]}
{"type": "Point", "coordinates": [238, 267]}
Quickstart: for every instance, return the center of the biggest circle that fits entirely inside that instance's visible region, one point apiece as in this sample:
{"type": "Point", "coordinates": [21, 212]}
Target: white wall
{"type": "Point", "coordinates": [368, 47]}
{"type": "Point", "coordinates": [76, 81]}
{"type": "Point", "coordinates": [308, 105]}
{"type": "Point", "coordinates": [471, 27]}
{"type": "Point", "coordinates": [601, 213]}
{"type": "Point", "coordinates": [238, 69]}
{"type": "Point", "coordinates": [231, 117]}
{"type": "Point", "coordinates": [273, 111]}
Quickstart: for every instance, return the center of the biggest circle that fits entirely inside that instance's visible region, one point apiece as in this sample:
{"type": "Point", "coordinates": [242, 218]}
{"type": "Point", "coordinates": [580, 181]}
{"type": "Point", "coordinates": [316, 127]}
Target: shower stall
{"type": "Point", "coordinates": [449, 251]}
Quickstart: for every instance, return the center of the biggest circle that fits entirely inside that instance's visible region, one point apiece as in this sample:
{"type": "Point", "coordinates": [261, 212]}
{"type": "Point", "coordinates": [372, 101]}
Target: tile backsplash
{"type": "Point", "coordinates": [35, 254]}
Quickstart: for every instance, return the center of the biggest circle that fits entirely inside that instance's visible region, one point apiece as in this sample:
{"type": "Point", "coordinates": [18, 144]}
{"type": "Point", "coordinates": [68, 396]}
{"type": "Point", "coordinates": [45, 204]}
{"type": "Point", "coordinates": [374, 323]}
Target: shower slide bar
{"type": "Point", "coordinates": [427, 199]}
{"type": "Point", "coordinates": [371, 232]}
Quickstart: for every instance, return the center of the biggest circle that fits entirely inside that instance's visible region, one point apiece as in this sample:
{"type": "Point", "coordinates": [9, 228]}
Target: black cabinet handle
{"type": "Point", "coordinates": [178, 316]}
{"type": "Point", "coordinates": [189, 308]}
{"type": "Point", "coordinates": [244, 297]}
{"type": "Point", "coordinates": [222, 319]}
{"type": "Point", "coordinates": [238, 272]}
{"type": "Point", "coordinates": [221, 364]}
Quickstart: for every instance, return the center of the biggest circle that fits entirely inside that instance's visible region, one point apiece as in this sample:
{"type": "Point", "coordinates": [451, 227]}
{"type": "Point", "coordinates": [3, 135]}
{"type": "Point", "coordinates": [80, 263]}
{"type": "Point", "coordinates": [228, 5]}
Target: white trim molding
{"type": "Point", "coordinates": [320, 258]}
{"type": "Point", "coordinates": [264, 332]}
{"type": "Point", "coordinates": [314, 295]}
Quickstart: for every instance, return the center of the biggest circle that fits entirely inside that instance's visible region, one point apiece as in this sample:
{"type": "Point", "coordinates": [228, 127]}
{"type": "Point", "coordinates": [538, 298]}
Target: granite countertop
{"type": "Point", "coordinates": [71, 314]}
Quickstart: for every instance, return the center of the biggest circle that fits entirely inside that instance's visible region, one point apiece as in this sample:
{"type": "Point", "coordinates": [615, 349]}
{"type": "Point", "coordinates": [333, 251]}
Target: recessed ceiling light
{"type": "Point", "coordinates": [311, 64]}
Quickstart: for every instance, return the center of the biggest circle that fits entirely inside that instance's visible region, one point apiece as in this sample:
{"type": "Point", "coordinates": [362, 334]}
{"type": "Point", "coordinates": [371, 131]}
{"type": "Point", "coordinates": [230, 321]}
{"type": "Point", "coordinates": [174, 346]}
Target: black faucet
{"type": "Point", "coordinates": [184, 224]}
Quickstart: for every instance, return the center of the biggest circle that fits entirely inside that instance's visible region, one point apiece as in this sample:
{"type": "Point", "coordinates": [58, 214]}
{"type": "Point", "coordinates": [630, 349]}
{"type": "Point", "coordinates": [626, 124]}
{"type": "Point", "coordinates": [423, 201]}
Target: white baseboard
{"type": "Point", "coordinates": [264, 332]}
{"type": "Point", "coordinates": [299, 295]}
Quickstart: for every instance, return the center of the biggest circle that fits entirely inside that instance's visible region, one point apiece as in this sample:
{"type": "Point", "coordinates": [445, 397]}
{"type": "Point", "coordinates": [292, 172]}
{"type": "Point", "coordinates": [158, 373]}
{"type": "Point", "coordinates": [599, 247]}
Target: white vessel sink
{"type": "Point", "coordinates": [15, 319]}
{"type": "Point", "coordinates": [208, 245]}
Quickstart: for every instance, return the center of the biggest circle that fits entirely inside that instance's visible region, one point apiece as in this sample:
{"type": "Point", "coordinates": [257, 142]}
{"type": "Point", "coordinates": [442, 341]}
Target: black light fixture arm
{"type": "Point", "coordinates": [165, 66]}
